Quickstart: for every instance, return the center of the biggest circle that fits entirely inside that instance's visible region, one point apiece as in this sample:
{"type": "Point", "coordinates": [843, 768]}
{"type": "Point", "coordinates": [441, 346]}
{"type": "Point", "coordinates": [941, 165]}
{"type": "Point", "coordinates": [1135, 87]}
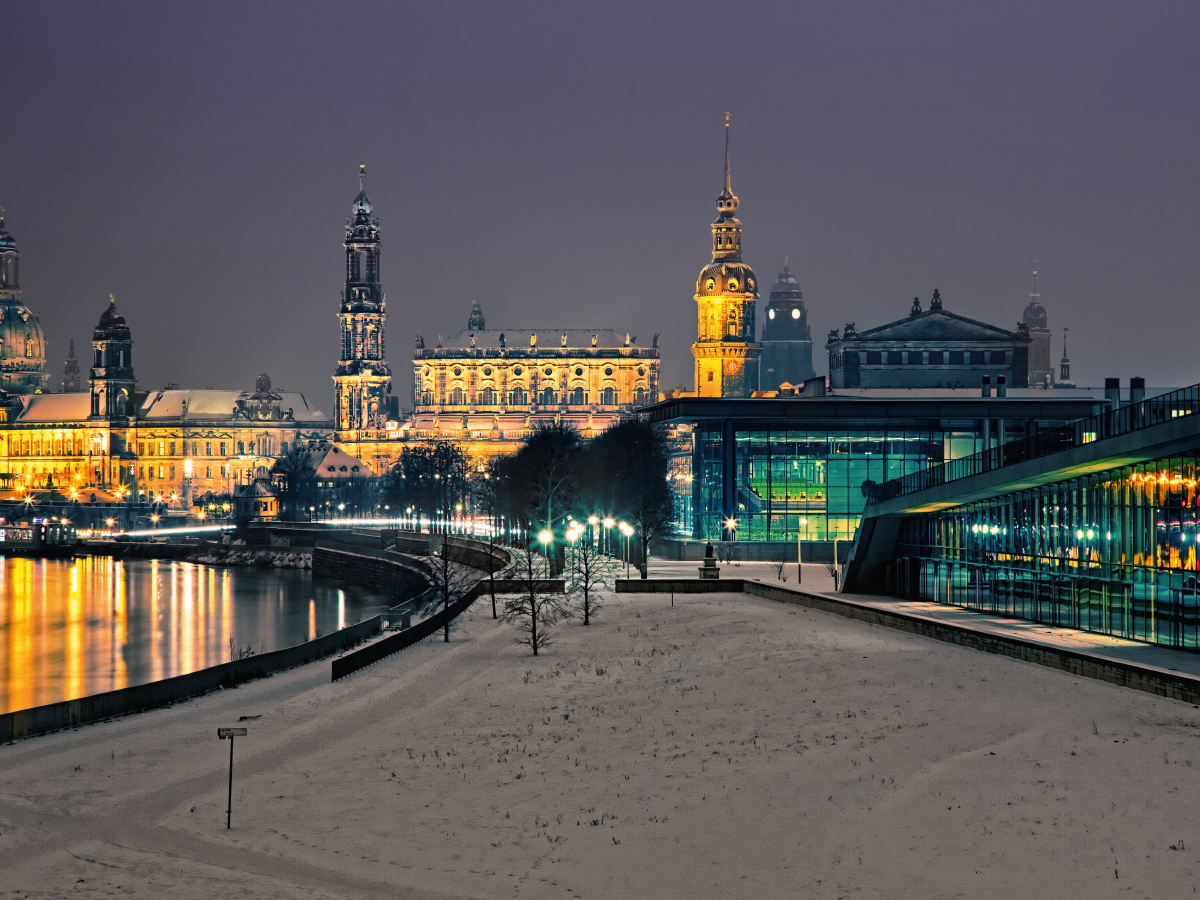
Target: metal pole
{"type": "Point", "coordinates": [229, 808]}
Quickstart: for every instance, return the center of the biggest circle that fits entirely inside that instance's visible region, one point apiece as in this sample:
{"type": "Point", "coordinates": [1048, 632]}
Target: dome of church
{"type": "Point", "coordinates": [22, 349]}
{"type": "Point", "coordinates": [1035, 316]}
{"type": "Point", "coordinates": [725, 277]}
{"type": "Point", "coordinates": [112, 325]}
{"type": "Point", "coordinates": [786, 286]}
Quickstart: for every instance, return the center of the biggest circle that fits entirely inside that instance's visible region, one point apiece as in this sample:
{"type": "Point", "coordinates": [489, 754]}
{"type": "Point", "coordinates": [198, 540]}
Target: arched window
{"type": "Point", "coordinates": [578, 397]}
{"type": "Point", "coordinates": [548, 396]}
{"type": "Point", "coordinates": [487, 397]}
{"type": "Point", "coordinates": [610, 397]}
{"type": "Point", "coordinates": [640, 397]}
{"type": "Point", "coordinates": [457, 397]}
{"type": "Point", "coordinates": [427, 398]}
{"type": "Point", "coordinates": [29, 348]}
{"type": "Point", "coordinates": [519, 397]}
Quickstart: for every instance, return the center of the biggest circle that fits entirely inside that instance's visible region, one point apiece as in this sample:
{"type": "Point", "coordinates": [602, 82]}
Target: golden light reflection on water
{"type": "Point", "coordinates": [73, 628]}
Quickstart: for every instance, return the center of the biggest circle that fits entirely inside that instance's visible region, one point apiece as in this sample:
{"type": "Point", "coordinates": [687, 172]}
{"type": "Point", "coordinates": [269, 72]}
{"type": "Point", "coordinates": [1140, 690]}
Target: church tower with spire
{"type": "Point", "coordinates": [363, 381]}
{"type": "Point", "coordinates": [727, 357]}
{"type": "Point", "coordinates": [1041, 369]}
{"type": "Point", "coordinates": [70, 376]}
{"type": "Point", "coordinates": [111, 377]}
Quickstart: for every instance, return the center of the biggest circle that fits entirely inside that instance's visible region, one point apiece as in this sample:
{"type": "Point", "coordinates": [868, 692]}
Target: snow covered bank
{"type": "Point", "coordinates": [725, 747]}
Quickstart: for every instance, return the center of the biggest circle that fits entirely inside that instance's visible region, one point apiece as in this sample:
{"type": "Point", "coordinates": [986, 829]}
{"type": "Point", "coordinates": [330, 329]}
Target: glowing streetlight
{"type": "Point", "coordinates": [545, 536]}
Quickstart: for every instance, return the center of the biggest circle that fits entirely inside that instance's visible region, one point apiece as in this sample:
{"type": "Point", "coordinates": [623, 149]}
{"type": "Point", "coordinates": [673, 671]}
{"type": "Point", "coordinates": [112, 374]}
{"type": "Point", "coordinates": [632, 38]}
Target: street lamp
{"type": "Point", "coordinates": [608, 523]}
{"type": "Point", "coordinates": [627, 531]}
{"type": "Point", "coordinates": [731, 528]}
{"type": "Point", "coordinates": [800, 532]}
{"type": "Point", "coordinates": [154, 519]}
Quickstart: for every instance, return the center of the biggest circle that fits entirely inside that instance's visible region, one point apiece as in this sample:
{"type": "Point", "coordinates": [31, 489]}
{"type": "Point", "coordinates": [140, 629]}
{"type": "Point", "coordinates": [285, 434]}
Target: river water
{"type": "Point", "coordinates": [70, 628]}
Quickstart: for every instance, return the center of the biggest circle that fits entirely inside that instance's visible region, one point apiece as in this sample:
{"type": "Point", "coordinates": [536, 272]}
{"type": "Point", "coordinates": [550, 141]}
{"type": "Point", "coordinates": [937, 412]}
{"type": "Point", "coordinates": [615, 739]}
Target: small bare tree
{"type": "Point", "coordinates": [587, 570]}
{"type": "Point", "coordinates": [534, 611]}
{"type": "Point", "coordinates": [777, 563]}
{"type": "Point", "coordinates": [450, 577]}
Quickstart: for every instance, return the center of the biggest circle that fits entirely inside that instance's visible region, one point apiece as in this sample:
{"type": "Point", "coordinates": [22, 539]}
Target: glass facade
{"type": "Point", "coordinates": [801, 482]}
{"type": "Point", "coordinates": [1113, 552]}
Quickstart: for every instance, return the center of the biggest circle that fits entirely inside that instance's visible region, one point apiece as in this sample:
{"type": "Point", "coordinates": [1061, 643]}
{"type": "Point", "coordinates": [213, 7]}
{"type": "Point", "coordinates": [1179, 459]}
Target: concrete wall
{"type": "Point", "coordinates": [750, 551]}
{"type": "Point", "coordinates": [386, 570]}
{"type": "Point", "coordinates": [73, 713]}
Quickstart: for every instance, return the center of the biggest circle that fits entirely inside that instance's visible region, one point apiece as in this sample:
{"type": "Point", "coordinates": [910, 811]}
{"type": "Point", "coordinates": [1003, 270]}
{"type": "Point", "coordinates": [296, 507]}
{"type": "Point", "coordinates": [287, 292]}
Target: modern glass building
{"type": "Point", "coordinates": [779, 469]}
{"type": "Point", "coordinates": [1095, 526]}
{"type": "Point", "coordinates": [1113, 552]}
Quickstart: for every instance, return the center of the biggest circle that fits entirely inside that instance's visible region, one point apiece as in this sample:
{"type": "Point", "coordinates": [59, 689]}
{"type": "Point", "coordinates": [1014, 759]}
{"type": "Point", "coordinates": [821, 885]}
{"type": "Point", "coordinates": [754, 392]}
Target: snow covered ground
{"type": "Point", "coordinates": [724, 747]}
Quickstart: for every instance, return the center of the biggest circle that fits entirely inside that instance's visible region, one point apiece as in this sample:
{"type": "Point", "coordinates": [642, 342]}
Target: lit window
{"type": "Point", "coordinates": [795, 313]}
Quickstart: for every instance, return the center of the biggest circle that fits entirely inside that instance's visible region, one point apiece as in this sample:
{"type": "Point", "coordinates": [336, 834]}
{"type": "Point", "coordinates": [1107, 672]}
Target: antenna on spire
{"type": "Point", "coordinates": [728, 190]}
{"type": "Point", "coordinates": [362, 176]}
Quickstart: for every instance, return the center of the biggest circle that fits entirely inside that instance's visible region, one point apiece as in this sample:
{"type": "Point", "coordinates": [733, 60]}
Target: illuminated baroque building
{"type": "Point", "coordinates": [488, 387]}
{"type": "Point", "coordinates": [727, 358]}
{"type": "Point", "coordinates": [115, 442]}
{"type": "Point", "coordinates": [22, 344]}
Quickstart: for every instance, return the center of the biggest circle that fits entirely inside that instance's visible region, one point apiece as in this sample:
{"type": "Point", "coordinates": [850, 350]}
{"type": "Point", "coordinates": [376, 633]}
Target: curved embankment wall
{"type": "Point", "coordinates": [72, 713]}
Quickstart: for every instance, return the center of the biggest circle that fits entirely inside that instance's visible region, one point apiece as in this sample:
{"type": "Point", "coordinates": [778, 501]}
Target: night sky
{"type": "Point", "coordinates": [562, 161]}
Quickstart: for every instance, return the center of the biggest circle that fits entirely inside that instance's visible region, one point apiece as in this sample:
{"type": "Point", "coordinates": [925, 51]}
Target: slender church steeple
{"type": "Point", "coordinates": [70, 377]}
{"type": "Point", "coordinates": [727, 357]}
{"type": "Point", "coordinates": [363, 379]}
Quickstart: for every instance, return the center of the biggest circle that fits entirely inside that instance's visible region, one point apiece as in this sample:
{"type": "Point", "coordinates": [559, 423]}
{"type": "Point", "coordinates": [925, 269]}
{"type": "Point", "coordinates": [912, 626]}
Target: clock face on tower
{"type": "Point", "coordinates": [731, 367]}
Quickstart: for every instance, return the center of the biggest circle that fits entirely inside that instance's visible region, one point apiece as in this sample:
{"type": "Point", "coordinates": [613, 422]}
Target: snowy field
{"type": "Point", "coordinates": [724, 747]}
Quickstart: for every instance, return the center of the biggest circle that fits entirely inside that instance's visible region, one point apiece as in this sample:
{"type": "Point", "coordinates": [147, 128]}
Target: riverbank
{"type": "Point", "coordinates": [724, 746]}
{"type": "Point", "coordinates": [207, 554]}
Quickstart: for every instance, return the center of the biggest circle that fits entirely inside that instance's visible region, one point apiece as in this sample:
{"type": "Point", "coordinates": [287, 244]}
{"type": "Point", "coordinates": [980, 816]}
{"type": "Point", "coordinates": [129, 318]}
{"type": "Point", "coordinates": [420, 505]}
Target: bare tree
{"type": "Point", "coordinates": [777, 563]}
{"type": "Point", "coordinates": [587, 570]}
{"type": "Point", "coordinates": [534, 611]}
{"type": "Point", "coordinates": [450, 577]}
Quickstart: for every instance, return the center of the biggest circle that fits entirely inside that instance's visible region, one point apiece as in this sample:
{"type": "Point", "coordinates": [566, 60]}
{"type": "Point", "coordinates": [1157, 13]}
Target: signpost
{"type": "Point", "coordinates": [230, 733]}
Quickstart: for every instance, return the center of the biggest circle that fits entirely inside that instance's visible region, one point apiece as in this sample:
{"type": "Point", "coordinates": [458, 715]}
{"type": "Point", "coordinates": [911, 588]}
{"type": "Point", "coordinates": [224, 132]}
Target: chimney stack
{"type": "Point", "coordinates": [1112, 391]}
{"type": "Point", "coordinates": [987, 386]}
{"type": "Point", "coordinates": [1001, 386]}
{"type": "Point", "coordinates": [1137, 390]}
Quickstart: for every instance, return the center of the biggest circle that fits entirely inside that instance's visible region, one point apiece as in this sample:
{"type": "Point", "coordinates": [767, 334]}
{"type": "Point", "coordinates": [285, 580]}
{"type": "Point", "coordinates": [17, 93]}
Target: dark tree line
{"type": "Point", "coordinates": [555, 476]}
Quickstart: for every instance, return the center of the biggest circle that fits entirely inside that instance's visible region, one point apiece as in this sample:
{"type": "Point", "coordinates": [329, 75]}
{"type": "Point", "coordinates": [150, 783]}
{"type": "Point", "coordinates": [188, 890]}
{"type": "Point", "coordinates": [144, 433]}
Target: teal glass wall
{"type": "Point", "coordinates": [1113, 552]}
{"type": "Point", "coordinates": [806, 483]}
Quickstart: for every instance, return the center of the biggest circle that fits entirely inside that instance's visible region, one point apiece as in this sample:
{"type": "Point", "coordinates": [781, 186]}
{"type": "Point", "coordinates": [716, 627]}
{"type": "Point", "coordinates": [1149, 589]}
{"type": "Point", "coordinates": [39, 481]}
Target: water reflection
{"type": "Point", "coordinates": [69, 628]}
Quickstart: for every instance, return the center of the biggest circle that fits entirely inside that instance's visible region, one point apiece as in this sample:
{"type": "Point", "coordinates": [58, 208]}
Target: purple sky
{"type": "Point", "coordinates": [562, 161]}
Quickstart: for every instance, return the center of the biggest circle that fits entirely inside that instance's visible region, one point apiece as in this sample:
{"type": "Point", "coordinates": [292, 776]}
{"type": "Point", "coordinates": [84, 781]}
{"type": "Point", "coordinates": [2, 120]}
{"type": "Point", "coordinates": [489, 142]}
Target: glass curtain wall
{"type": "Point", "coordinates": [1114, 552]}
{"type": "Point", "coordinates": [806, 483]}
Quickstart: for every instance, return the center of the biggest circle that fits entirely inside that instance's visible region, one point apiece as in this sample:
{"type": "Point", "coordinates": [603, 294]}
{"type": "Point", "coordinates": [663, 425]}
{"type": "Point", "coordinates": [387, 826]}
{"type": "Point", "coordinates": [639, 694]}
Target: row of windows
{"type": "Point", "coordinates": [263, 446]}
{"type": "Point", "coordinates": [547, 397]}
{"type": "Point", "coordinates": [936, 357]}
{"type": "Point", "coordinates": [167, 473]}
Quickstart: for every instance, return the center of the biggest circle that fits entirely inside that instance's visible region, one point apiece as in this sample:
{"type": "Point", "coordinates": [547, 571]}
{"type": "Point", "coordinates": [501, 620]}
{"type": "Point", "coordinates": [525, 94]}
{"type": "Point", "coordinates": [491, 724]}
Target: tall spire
{"type": "Point", "coordinates": [727, 202]}
{"type": "Point", "coordinates": [362, 206]}
{"type": "Point", "coordinates": [728, 189]}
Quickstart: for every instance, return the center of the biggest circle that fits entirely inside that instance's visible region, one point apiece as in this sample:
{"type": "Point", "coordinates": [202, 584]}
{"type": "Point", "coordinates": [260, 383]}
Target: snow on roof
{"type": "Point", "coordinates": [56, 408]}
{"type": "Point", "coordinates": [209, 404]}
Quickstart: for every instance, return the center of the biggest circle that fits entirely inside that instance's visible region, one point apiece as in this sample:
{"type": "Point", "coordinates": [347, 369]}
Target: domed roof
{"type": "Point", "coordinates": [6, 239]}
{"type": "Point", "coordinates": [724, 278]}
{"type": "Point", "coordinates": [785, 286]}
{"type": "Point", "coordinates": [1035, 314]}
{"type": "Point", "coordinates": [112, 324]}
{"type": "Point", "coordinates": [22, 349]}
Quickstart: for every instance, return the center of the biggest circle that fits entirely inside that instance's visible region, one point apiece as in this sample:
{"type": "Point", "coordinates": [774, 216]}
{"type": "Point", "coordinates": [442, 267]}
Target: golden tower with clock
{"type": "Point", "coordinates": [727, 357]}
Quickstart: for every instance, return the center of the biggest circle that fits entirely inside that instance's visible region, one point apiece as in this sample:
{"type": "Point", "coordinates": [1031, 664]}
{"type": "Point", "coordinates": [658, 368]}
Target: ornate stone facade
{"type": "Point", "coordinates": [490, 387]}
{"type": "Point", "coordinates": [116, 442]}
